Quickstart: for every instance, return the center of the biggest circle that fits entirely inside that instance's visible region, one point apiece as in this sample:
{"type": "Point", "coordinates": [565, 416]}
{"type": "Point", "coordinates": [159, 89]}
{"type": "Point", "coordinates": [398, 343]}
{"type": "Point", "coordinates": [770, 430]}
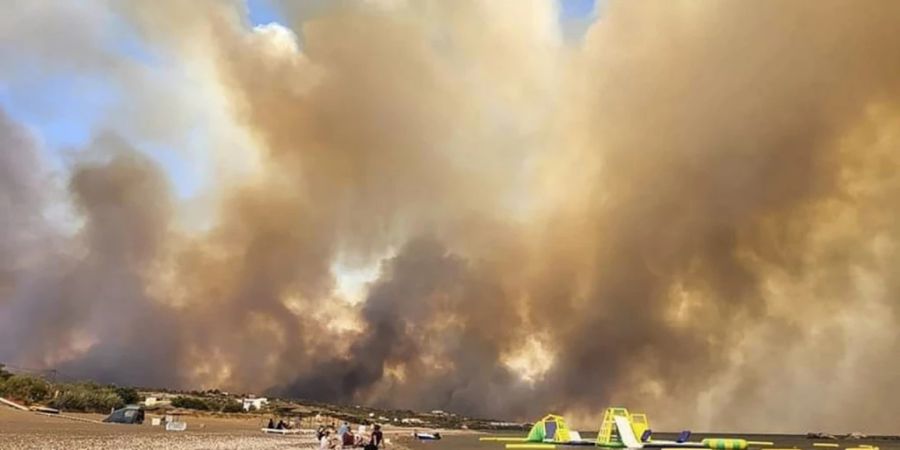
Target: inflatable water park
{"type": "Point", "coordinates": [619, 429]}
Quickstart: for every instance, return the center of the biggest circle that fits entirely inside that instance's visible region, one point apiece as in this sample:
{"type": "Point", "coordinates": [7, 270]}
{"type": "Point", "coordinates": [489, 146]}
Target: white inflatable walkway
{"type": "Point", "coordinates": [626, 433]}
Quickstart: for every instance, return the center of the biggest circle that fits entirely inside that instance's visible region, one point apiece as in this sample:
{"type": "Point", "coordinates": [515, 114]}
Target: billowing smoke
{"type": "Point", "coordinates": [689, 211]}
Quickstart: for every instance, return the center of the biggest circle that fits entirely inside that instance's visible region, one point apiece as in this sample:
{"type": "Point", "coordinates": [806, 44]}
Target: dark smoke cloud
{"type": "Point", "coordinates": [66, 296]}
{"type": "Point", "coordinates": [688, 213]}
{"type": "Point", "coordinates": [435, 317]}
{"type": "Point", "coordinates": [20, 198]}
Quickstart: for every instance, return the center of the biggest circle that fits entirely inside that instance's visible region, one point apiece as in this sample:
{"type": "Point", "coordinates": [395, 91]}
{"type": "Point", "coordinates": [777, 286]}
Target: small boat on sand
{"type": "Point", "coordinates": [427, 436]}
{"type": "Point", "coordinates": [281, 431]}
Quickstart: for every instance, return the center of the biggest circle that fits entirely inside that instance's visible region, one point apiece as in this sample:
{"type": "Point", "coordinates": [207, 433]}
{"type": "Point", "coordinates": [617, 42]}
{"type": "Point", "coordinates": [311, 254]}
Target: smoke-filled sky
{"type": "Point", "coordinates": [497, 208]}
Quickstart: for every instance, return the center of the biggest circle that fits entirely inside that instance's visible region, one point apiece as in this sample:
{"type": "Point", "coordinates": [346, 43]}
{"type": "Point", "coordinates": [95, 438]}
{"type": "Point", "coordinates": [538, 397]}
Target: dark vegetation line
{"type": "Point", "coordinates": [39, 387]}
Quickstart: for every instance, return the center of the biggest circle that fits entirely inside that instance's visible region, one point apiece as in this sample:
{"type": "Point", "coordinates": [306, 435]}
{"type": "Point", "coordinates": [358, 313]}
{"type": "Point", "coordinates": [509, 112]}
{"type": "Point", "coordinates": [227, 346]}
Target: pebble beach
{"type": "Point", "coordinates": [26, 430]}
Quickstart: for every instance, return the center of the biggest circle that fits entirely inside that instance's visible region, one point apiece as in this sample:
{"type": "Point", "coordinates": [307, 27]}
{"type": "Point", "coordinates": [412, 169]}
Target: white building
{"type": "Point", "coordinates": [414, 420]}
{"type": "Point", "coordinates": [254, 402]}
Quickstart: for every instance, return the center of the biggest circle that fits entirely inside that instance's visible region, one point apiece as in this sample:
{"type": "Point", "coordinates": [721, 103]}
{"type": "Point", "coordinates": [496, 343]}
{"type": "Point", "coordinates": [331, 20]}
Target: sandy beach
{"type": "Point", "coordinates": [26, 430]}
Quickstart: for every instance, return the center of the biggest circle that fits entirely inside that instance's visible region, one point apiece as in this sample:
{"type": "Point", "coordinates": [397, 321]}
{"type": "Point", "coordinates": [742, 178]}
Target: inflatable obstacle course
{"type": "Point", "coordinates": [725, 443]}
{"type": "Point", "coordinates": [609, 433]}
{"type": "Point", "coordinates": [551, 428]}
{"type": "Point", "coordinates": [618, 429]}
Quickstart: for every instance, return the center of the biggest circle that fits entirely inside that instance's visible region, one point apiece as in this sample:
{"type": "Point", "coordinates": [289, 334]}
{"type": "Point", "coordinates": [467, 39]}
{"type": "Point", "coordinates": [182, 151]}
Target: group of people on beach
{"type": "Point", "coordinates": [281, 425]}
{"type": "Point", "coordinates": [331, 439]}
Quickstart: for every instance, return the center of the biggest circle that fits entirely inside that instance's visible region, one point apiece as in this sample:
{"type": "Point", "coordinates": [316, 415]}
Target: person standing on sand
{"type": "Point", "coordinates": [323, 441]}
{"type": "Point", "coordinates": [376, 438]}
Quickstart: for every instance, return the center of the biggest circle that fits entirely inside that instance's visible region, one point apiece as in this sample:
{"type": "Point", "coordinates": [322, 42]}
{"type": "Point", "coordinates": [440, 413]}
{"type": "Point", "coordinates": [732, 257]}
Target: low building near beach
{"type": "Point", "coordinates": [255, 403]}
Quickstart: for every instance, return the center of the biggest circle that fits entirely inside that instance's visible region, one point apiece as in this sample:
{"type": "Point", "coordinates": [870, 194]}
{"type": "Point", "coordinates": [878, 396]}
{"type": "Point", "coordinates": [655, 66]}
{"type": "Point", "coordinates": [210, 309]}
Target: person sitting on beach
{"type": "Point", "coordinates": [345, 427]}
{"type": "Point", "coordinates": [347, 439]}
{"type": "Point", "coordinates": [334, 440]}
{"type": "Point", "coordinates": [281, 425]}
{"type": "Point", "coordinates": [319, 432]}
{"type": "Point", "coordinates": [271, 424]}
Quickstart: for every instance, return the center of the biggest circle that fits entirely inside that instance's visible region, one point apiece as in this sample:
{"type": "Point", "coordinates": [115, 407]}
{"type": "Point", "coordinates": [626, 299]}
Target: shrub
{"type": "Point", "coordinates": [26, 388]}
{"type": "Point", "coordinates": [222, 404]}
{"type": "Point", "coordinates": [4, 374]}
{"type": "Point", "coordinates": [86, 397]}
{"type": "Point", "coordinates": [128, 395]}
{"type": "Point", "coordinates": [233, 407]}
{"type": "Point", "coordinates": [191, 403]}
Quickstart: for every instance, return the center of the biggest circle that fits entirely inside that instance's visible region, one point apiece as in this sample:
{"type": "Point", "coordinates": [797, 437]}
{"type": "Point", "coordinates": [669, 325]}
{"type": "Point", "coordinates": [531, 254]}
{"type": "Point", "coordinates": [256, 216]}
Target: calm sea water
{"type": "Point", "coordinates": [780, 441]}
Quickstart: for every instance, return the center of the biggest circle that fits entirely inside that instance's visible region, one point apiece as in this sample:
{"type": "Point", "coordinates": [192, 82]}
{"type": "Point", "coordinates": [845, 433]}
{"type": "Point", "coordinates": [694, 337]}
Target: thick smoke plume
{"type": "Point", "coordinates": [690, 211]}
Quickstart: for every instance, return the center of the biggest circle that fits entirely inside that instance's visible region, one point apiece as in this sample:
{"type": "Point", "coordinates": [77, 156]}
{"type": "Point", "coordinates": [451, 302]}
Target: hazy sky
{"type": "Point", "coordinates": [63, 107]}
